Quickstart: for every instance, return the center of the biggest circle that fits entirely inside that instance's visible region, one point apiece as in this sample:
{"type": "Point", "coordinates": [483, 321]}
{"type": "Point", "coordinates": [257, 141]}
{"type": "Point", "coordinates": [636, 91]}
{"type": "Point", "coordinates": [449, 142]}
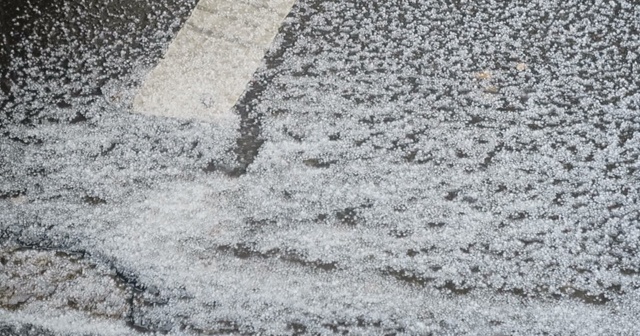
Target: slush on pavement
{"type": "Point", "coordinates": [319, 167]}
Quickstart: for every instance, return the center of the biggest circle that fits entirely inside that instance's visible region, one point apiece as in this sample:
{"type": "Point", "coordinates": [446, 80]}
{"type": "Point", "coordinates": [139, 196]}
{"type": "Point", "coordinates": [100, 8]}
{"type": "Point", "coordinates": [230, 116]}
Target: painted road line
{"type": "Point", "coordinates": [208, 65]}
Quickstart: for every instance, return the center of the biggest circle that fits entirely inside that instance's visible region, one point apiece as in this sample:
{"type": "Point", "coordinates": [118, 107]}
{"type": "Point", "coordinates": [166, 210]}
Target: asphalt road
{"type": "Point", "coordinates": [407, 168]}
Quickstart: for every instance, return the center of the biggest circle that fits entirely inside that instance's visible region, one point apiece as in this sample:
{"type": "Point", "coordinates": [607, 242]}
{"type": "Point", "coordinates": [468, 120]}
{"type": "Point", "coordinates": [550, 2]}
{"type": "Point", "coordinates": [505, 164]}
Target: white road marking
{"type": "Point", "coordinates": [208, 65]}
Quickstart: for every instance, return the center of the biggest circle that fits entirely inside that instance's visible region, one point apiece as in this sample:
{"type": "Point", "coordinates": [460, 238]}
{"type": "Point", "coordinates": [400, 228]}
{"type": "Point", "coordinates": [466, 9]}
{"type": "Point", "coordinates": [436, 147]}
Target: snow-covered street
{"type": "Point", "coordinates": [392, 168]}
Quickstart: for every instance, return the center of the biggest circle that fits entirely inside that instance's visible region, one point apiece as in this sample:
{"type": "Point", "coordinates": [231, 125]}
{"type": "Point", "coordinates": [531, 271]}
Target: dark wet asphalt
{"type": "Point", "coordinates": [46, 45]}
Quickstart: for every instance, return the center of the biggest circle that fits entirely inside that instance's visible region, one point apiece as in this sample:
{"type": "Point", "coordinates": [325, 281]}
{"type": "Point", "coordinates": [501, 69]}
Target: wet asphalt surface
{"type": "Point", "coordinates": [485, 152]}
{"type": "Point", "coordinates": [48, 45]}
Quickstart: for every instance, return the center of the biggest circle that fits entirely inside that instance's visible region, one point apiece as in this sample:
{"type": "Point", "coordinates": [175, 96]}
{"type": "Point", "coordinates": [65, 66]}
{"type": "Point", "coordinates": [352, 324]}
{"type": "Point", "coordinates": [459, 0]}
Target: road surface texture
{"type": "Point", "coordinates": [209, 63]}
{"type": "Point", "coordinates": [393, 168]}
